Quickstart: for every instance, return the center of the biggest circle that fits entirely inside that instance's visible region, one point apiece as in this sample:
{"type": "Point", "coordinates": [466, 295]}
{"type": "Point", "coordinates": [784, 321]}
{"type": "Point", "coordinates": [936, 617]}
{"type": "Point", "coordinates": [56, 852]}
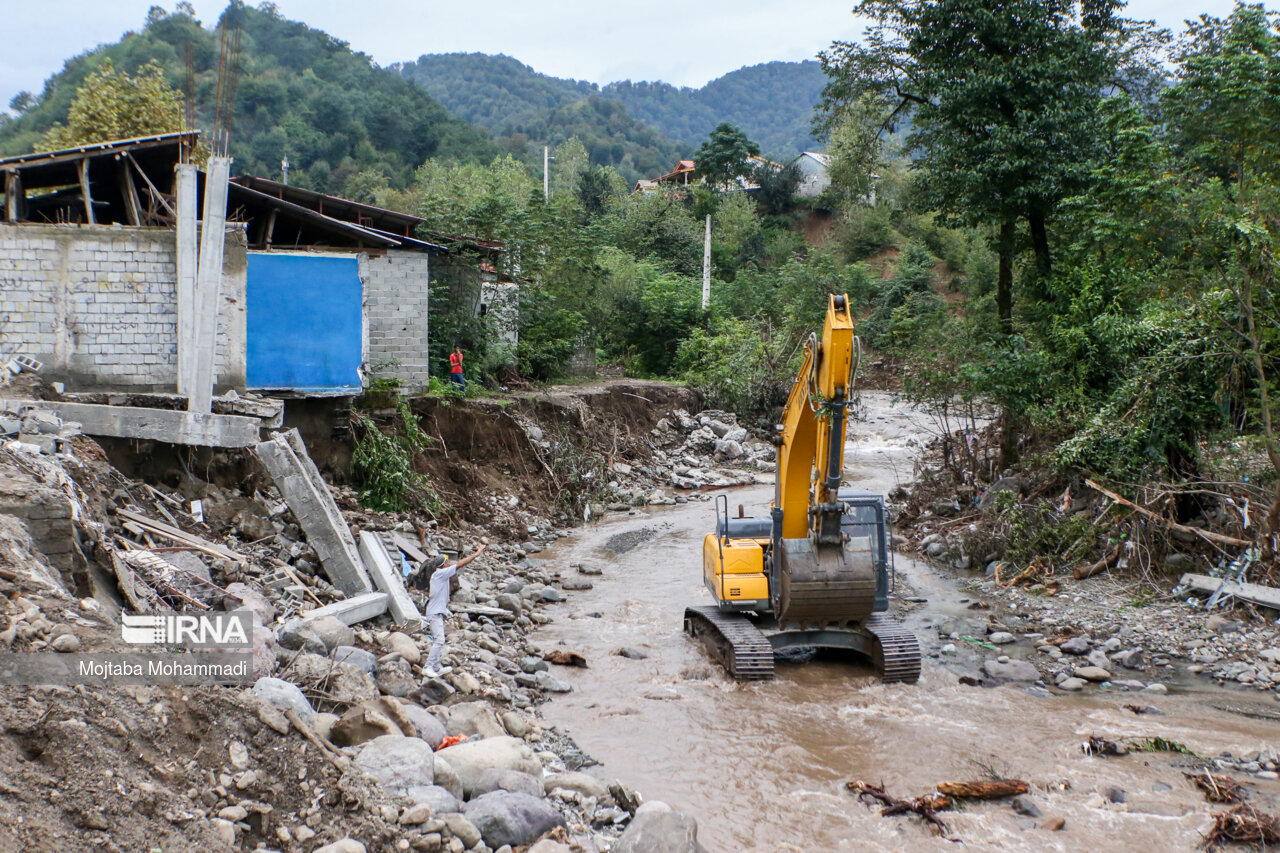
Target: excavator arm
{"type": "Point", "coordinates": [811, 435]}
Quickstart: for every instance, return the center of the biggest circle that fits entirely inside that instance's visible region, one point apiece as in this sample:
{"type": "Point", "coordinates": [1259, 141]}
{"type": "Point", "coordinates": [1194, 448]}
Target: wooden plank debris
{"type": "Point", "coordinates": [1253, 593]}
{"type": "Point", "coordinates": [176, 535]}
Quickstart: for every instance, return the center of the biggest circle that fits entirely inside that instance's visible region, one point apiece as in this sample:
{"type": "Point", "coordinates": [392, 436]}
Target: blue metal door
{"type": "Point", "coordinates": [304, 323]}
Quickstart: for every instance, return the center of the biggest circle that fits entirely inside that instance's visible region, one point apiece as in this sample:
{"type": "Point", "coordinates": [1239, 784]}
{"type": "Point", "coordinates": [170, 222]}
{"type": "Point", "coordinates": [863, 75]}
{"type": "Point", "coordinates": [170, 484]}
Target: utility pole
{"type": "Point", "coordinates": [546, 182]}
{"type": "Point", "coordinates": [706, 267]}
{"type": "Point", "coordinates": [284, 168]}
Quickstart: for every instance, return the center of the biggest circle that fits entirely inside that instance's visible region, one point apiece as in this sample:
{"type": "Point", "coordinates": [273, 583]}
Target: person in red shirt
{"type": "Point", "coordinates": [455, 369]}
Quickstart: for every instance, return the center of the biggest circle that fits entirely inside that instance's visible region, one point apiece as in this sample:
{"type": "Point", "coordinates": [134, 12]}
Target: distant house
{"type": "Point", "coordinates": [815, 176]}
{"type": "Point", "coordinates": [686, 173]}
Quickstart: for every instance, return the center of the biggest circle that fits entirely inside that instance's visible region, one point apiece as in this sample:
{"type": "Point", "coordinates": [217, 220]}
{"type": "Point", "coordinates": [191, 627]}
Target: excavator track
{"type": "Point", "coordinates": [897, 652]}
{"type": "Point", "coordinates": [734, 641]}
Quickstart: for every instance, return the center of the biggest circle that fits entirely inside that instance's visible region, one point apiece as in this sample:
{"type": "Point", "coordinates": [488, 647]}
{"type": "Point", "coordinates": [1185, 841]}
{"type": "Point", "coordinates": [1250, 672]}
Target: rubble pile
{"type": "Point", "coordinates": [340, 734]}
{"type": "Point", "coordinates": [43, 431]}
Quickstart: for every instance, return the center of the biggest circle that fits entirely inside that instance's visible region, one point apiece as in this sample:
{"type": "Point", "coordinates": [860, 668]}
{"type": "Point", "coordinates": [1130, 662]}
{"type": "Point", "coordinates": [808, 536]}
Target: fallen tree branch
{"type": "Point", "coordinates": [1217, 788]}
{"type": "Point", "coordinates": [1089, 571]}
{"type": "Point", "coordinates": [984, 790]}
{"type": "Point", "coordinates": [338, 760]}
{"type": "Point", "coordinates": [926, 806]}
{"type": "Point", "coordinates": [1207, 535]}
{"type": "Point", "coordinates": [1243, 823]}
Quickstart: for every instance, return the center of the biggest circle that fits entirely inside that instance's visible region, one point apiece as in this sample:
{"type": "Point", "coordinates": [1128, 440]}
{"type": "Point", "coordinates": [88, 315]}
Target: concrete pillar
{"type": "Point", "coordinates": [209, 283]}
{"type": "Point", "coordinates": [187, 264]}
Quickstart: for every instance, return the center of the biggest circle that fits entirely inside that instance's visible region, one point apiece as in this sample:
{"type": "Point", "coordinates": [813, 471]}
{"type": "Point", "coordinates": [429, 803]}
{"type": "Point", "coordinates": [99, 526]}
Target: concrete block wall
{"type": "Point", "coordinates": [396, 300]}
{"type": "Point", "coordinates": [98, 305]}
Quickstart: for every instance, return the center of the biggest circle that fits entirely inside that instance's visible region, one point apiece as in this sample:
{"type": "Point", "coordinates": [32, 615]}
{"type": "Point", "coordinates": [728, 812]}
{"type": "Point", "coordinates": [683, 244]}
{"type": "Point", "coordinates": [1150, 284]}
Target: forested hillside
{"type": "Point", "coordinates": [342, 122]}
{"type": "Point", "coordinates": [772, 102]}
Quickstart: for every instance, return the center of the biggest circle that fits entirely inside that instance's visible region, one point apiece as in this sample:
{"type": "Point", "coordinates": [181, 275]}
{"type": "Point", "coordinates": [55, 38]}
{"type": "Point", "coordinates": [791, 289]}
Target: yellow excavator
{"type": "Point", "coordinates": [816, 572]}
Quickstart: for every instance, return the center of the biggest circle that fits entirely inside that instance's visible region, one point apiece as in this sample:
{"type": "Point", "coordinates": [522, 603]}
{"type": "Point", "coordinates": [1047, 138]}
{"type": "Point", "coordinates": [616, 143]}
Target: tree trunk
{"type": "Point", "coordinates": [1040, 244]}
{"type": "Point", "coordinates": [1004, 281]}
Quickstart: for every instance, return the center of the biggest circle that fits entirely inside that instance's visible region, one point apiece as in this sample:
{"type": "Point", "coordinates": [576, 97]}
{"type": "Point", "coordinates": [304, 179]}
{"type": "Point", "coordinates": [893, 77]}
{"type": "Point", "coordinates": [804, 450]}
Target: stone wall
{"type": "Point", "coordinates": [396, 312]}
{"type": "Point", "coordinates": [98, 305]}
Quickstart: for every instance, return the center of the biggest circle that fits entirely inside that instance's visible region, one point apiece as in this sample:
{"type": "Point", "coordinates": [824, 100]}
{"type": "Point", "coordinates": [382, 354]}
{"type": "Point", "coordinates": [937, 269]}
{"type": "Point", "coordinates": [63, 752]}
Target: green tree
{"type": "Point", "coordinates": [726, 156]}
{"type": "Point", "coordinates": [113, 104]}
{"type": "Point", "coordinates": [1002, 101]}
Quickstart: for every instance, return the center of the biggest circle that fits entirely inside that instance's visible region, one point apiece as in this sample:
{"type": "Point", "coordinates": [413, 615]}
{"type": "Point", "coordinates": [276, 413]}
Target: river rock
{"type": "Point", "coordinates": [1098, 658]}
{"type": "Point", "coordinates": [361, 658]}
{"type": "Point", "coordinates": [285, 696]}
{"type": "Point", "coordinates": [447, 778]}
{"type": "Point", "coordinates": [506, 817]}
{"type": "Point", "coordinates": [1077, 645]}
{"type": "Point", "coordinates": [1001, 638]}
{"type": "Point", "coordinates": [395, 678]}
{"type": "Point", "coordinates": [432, 691]}
{"type": "Point", "coordinates": [1004, 484]}
{"type": "Point", "coordinates": [254, 600]}
{"type": "Point", "coordinates": [441, 800]}
{"type": "Point", "coordinates": [463, 829]}
{"type": "Point", "coordinates": [345, 683]}
{"type": "Point", "coordinates": [297, 635]}
{"type": "Point", "coordinates": [1010, 671]}
{"type": "Point", "coordinates": [343, 845]}
{"type": "Point", "coordinates": [474, 719]}
{"type": "Point", "coordinates": [510, 602]}
{"type": "Point", "coordinates": [658, 829]}
{"type": "Point", "coordinates": [494, 779]}
{"type": "Point", "coordinates": [404, 645]}
{"type": "Point", "coordinates": [402, 765]}
{"type": "Point", "coordinates": [631, 653]}
{"type": "Point", "coordinates": [1025, 806]}
{"type": "Point", "coordinates": [472, 757]}
{"type": "Point", "coordinates": [66, 643]}
{"type": "Point", "coordinates": [549, 683]}
{"type": "Point", "coordinates": [333, 632]}
{"type": "Point", "coordinates": [576, 584]}
{"type": "Point", "coordinates": [1091, 673]}
{"type": "Point", "coordinates": [1072, 684]}
{"type": "Point", "coordinates": [576, 780]}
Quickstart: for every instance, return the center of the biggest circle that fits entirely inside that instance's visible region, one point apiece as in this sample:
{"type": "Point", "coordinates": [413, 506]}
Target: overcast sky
{"type": "Point", "coordinates": [685, 43]}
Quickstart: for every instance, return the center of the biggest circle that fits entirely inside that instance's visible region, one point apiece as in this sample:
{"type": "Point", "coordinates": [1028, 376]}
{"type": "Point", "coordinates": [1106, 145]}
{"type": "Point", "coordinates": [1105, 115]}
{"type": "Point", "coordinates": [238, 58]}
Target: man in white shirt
{"type": "Point", "coordinates": [438, 606]}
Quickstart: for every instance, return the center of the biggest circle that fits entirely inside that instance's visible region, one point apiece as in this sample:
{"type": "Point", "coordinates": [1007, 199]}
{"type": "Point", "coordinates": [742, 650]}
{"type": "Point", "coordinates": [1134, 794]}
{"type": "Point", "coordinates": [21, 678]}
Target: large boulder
{"type": "Point", "coordinates": [473, 719]}
{"type": "Point", "coordinates": [658, 829]}
{"type": "Point", "coordinates": [441, 800]}
{"type": "Point", "coordinates": [514, 818]}
{"type": "Point", "coordinates": [332, 631]}
{"type": "Point", "coordinates": [494, 779]}
{"type": "Point", "coordinates": [371, 719]}
{"type": "Point", "coordinates": [366, 660]}
{"type": "Point", "coordinates": [425, 724]}
{"type": "Point", "coordinates": [578, 782]}
{"type": "Point", "coordinates": [297, 635]}
{"type": "Point", "coordinates": [447, 777]}
{"type": "Point", "coordinates": [285, 696]}
{"type": "Point", "coordinates": [402, 765]}
{"type": "Point", "coordinates": [1011, 671]}
{"type": "Point", "coordinates": [471, 758]}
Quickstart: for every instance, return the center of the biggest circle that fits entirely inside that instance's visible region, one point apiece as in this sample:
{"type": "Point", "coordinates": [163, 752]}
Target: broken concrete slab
{"type": "Point", "coordinates": [194, 428]}
{"type": "Point", "coordinates": [308, 496]}
{"type": "Point", "coordinates": [1256, 593]}
{"type": "Point", "coordinates": [351, 610]}
{"type": "Point", "coordinates": [386, 577]}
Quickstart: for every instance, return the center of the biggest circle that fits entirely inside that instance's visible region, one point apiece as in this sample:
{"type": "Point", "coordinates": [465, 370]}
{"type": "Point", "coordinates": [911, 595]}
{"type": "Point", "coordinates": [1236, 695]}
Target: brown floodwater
{"type": "Point", "coordinates": [763, 766]}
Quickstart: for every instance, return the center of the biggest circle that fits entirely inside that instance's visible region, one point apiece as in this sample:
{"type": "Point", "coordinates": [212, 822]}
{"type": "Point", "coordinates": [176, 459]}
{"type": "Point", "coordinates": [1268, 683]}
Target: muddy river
{"type": "Point", "coordinates": [763, 766]}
